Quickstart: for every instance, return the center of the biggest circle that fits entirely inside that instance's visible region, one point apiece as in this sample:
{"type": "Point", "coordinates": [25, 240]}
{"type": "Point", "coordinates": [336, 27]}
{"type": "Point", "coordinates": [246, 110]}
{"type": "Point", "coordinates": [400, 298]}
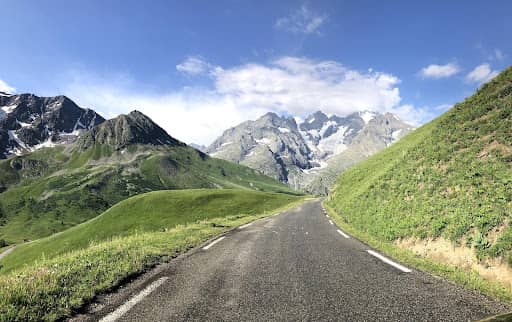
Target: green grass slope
{"type": "Point", "coordinates": [53, 189]}
{"type": "Point", "coordinates": [451, 178]}
{"type": "Point", "coordinates": [149, 212]}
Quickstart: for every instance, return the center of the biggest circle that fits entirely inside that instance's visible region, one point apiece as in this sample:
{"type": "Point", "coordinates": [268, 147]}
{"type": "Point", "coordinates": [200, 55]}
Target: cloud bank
{"type": "Point", "coordinates": [288, 85]}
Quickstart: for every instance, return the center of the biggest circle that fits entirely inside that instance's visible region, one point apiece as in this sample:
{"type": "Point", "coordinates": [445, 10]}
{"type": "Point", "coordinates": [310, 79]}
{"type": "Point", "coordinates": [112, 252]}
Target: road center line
{"type": "Point", "coordinates": [330, 222]}
{"type": "Point", "coordinates": [389, 261]}
{"type": "Point", "coordinates": [343, 234]}
{"type": "Point", "coordinates": [213, 243]}
{"type": "Point", "coordinates": [114, 316]}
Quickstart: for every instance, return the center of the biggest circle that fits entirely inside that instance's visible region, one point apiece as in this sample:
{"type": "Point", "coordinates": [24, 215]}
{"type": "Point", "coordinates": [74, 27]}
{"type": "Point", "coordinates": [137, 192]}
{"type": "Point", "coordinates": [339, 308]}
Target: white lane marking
{"type": "Point", "coordinates": [389, 261]}
{"type": "Point", "coordinates": [213, 243]}
{"type": "Point", "coordinates": [330, 222]}
{"type": "Point", "coordinates": [343, 234]}
{"type": "Point", "coordinates": [133, 301]}
{"type": "Point", "coordinates": [246, 225]}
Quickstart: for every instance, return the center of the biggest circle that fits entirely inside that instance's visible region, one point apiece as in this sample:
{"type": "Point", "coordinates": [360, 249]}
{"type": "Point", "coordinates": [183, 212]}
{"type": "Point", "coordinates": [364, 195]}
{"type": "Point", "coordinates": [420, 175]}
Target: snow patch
{"type": "Point", "coordinates": [283, 130]}
{"type": "Point", "coordinates": [326, 126]}
{"type": "Point", "coordinates": [226, 143]}
{"type": "Point", "coordinates": [311, 121]}
{"type": "Point", "coordinates": [9, 108]}
{"type": "Point", "coordinates": [24, 124]}
{"type": "Point", "coordinates": [395, 135]}
{"type": "Point", "coordinates": [298, 120]}
{"type": "Point", "coordinates": [314, 133]}
{"type": "Point", "coordinates": [334, 144]}
{"type": "Point", "coordinates": [14, 137]}
{"type": "Point", "coordinates": [323, 164]}
{"type": "Point", "coordinates": [263, 141]}
{"type": "Point", "coordinates": [367, 116]}
{"type": "Point", "coordinates": [46, 144]}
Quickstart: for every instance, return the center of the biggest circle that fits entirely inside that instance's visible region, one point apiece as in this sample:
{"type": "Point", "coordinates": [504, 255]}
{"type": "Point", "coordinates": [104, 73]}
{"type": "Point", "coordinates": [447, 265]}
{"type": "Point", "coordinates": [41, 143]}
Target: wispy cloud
{"type": "Point", "coordinates": [302, 20]}
{"type": "Point", "coordinates": [439, 71]}
{"type": "Point", "coordinates": [6, 88]}
{"type": "Point", "coordinates": [497, 55]}
{"type": "Point", "coordinates": [194, 65]}
{"type": "Point", "coordinates": [288, 85]}
{"type": "Point", "coordinates": [481, 74]}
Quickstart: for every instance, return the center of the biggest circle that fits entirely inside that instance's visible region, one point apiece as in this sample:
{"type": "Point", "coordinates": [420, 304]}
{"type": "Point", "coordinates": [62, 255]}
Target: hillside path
{"type": "Point", "coordinates": [296, 266]}
{"type": "Point", "coordinates": [7, 252]}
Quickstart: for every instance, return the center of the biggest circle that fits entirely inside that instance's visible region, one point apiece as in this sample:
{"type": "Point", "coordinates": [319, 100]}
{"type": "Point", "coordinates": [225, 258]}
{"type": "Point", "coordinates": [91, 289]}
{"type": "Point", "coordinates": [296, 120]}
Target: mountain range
{"type": "Point", "coordinates": [65, 164]}
{"type": "Point", "coordinates": [29, 122]}
{"type": "Point", "coordinates": [308, 154]}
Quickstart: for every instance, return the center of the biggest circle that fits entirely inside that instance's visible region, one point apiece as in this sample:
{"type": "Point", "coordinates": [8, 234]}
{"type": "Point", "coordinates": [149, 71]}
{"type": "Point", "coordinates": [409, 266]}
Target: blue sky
{"type": "Point", "coordinates": [199, 67]}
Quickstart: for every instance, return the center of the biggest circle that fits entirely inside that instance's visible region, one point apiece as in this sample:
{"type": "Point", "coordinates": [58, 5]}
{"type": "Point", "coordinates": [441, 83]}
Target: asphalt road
{"type": "Point", "coordinates": [293, 267]}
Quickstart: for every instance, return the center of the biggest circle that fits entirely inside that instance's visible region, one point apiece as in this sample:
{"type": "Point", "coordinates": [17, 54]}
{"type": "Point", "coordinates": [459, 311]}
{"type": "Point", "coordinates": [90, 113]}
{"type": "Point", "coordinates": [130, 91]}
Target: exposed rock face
{"type": "Point", "coordinates": [310, 154]}
{"type": "Point", "coordinates": [124, 130]}
{"type": "Point", "coordinates": [271, 144]}
{"type": "Point", "coordinates": [199, 147]}
{"type": "Point", "coordinates": [29, 122]}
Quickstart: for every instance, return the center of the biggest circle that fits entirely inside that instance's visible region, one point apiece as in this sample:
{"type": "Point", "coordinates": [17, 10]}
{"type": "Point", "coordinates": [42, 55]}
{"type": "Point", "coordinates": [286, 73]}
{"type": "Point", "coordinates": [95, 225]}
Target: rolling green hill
{"type": "Point", "coordinates": [451, 178]}
{"type": "Point", "coordinates": [149, 212]}
{"type": "Point", "coordinates": [53, 189]}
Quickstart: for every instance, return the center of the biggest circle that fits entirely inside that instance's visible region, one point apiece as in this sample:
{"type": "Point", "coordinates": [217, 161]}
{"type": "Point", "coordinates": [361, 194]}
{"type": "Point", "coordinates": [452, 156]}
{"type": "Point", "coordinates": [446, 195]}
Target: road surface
{"type": "Point", "coordinates": [296, 266]}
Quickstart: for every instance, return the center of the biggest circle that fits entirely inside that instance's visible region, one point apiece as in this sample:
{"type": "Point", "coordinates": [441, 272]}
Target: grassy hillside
{"type": "Point", "coordinates": [451, 178]}
{"type": "Point", "coordinates": [53, 189]}
{"type": "Point", "coordinates": [129, 238]}
{"type": "Point", "coordinates": [149, 212]}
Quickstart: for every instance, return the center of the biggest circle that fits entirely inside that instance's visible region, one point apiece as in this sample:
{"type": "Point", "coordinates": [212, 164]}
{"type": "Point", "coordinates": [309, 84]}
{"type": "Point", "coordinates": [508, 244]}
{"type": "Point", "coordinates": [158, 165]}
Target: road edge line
{"type": "Point", "coordinates": [128, 305]}
{"type": "Point", "coordinates": [389, 261]}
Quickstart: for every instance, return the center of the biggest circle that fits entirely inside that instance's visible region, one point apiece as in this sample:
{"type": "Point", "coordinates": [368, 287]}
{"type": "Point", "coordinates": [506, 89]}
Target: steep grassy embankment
{"type": "Point", "coordinates": [127, 239]}
{"type": "Point", "coordinates": [450, 179]}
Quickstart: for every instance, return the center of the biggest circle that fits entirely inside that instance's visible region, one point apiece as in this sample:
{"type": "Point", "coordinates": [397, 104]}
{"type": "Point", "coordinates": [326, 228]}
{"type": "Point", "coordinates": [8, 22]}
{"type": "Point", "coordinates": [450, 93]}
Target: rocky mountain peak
{"type": "Point", "coordinates": [125, 130]}
{"type": "Point", "coordinates": [314, 121]}
{"type": "Point", "coordinates": [281, 148]}
{"type": "Point", "coordinates": [29, 122]}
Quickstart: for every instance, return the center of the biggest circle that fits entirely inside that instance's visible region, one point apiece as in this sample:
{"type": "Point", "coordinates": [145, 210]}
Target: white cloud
{"type": "Point", "coordinates": [194, 65]}
{"type": "Point", "coordinates": [191, 115]}
{"type": "Point", "coordinates": [303, 20]}
{"type": "Point", "coordinates": [288, 85]}
{"type": "Point", "coordinates": [481, 74]}
{"type": "Point", "coordinates": [6, 88]}
{"type": "Point", "coordinates": [300, 86]}
{"type": "Point", "coordinates": [439, 71]}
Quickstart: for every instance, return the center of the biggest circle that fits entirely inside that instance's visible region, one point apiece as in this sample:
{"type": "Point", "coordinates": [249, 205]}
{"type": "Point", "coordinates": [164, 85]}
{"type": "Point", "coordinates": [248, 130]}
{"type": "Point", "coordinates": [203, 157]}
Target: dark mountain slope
{"type": "Point", "coordinates": [29, 122]}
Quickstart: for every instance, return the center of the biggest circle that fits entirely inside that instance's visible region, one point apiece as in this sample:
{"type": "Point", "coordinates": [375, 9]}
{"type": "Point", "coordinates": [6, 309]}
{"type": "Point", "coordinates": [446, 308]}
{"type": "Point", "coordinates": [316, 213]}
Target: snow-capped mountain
{"type": "Point", "coordinates": [29, 122]}
{"type": "Point", "coordinates": [301, 152]}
